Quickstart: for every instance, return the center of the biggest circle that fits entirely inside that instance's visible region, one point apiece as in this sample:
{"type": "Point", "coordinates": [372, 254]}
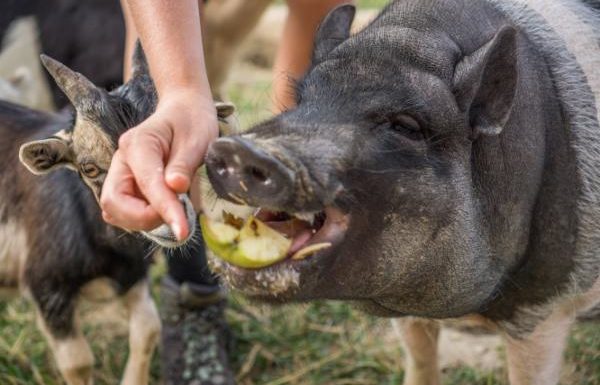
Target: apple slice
{"type": "Point", "coordinates": [253, 246]}
{"type": "Point", "coordinates": [213, 206]}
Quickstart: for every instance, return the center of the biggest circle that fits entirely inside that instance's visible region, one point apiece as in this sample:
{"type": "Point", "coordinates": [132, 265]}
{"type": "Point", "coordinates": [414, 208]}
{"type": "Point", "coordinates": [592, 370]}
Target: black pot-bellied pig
{"type": "Point", "coordinates": [449, 153]}
{"type": "Point", "coordinates": [55, 245]}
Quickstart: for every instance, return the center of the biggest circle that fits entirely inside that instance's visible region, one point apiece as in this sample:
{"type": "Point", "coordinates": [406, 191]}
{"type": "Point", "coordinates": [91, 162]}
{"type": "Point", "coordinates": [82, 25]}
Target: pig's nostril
{"type": "Point", "coordinates": [238, 168]}
{"type": "Point", "coordinates": [258, 175]}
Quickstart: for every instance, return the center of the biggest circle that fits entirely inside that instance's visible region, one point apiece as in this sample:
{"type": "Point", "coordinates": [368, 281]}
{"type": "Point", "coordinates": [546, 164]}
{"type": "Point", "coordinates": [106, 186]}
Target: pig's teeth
{"type": "Point", "coordinates": [308, 250]}
{"type": "Point", "coordinates": [237, 199]}
{"type": "Point", "coordinates": [307, 217]}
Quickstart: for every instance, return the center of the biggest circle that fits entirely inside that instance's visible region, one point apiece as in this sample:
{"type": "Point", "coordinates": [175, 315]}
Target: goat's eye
{"type": "Point", "coordinates": [90, 170]}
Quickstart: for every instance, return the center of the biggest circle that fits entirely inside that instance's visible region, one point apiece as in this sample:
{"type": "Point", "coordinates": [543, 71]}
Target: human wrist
{"type": "Point", "coordinates": [193, 98]}
{"type": "Point", "coordinates": [188, 108]}
{"type": "Point", "coordinates": [190, 92]}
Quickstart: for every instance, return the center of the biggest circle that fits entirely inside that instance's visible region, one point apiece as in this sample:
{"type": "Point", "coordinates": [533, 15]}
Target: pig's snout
{"type": "Point", "coordinates": [242, 172]}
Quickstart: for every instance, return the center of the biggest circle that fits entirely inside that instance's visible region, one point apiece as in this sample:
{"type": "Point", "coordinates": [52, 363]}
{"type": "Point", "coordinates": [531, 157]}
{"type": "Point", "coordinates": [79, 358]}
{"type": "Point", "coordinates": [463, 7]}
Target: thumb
{"type": "Point", "coordinates": [182, 164]}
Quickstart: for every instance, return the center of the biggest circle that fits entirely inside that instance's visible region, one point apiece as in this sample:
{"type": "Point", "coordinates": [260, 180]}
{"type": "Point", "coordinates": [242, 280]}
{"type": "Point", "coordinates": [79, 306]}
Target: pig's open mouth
{"type": "Point", "coordinates": [310, 233]}
{"type": "Point", "coordinates": [312, 237]}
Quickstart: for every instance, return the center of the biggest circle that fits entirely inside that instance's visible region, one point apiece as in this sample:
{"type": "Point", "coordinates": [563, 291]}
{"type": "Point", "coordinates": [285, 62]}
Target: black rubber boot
{"type": "Point", "coordinates": [195, 337]}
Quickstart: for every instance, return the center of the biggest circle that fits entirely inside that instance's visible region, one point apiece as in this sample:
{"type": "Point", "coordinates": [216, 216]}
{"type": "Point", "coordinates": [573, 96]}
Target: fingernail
{"type": "Point", "coordinates": [176, 228]}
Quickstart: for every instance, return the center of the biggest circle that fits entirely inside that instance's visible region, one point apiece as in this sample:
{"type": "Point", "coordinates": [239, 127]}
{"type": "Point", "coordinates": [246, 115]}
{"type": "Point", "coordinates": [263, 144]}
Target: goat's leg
{"type": "Point", "coordinates": [536, 359]}
{"type": "Point", "coordinates": [144, 329]}
{"type": "Point", "coordinates": [421, 345]}
{"type": "Point", "coordinates": [71, 351]}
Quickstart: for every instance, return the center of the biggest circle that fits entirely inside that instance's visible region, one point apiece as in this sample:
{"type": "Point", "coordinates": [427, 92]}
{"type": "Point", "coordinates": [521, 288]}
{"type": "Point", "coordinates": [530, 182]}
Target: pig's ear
{"type": "Point", "coordinates": [334, 29]}
{"type": "Point", "coordinates": [485, 83]}
{"type": "Point", "coordinates": [42, 156]}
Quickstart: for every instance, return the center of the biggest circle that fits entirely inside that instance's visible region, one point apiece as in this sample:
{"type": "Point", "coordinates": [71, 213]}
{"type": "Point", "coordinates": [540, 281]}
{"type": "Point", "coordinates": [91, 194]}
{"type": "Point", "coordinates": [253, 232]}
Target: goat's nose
{"type": "Point", "coordinates": [241, 171]}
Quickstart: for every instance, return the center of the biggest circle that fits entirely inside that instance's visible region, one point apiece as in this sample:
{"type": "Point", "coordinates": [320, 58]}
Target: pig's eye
{"type": "Point", "coordinates": [90, 170]}
{"type": "Point", "coordinates": [407, 126]}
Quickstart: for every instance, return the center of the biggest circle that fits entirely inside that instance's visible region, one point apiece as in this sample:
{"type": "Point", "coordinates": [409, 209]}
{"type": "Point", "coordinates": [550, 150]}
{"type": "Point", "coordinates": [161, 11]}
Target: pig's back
{"type": "Point", "coordinates": [577, 24]}
{"type": "Point", "coordinates": [567, 34]}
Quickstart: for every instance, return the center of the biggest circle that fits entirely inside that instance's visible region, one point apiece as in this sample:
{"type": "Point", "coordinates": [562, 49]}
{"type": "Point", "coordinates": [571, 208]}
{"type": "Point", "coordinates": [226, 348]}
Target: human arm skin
{"type": "Point", "coordinates": [295, 50]}
{"type": "Point", "coordinates": [156, 159]}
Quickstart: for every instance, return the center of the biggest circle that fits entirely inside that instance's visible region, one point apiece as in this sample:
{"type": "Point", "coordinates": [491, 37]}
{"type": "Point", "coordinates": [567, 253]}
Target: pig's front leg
{"type": "Point", "coordinates": [536, 358]}
{"type": "Point", "coordinates": [420, 338]}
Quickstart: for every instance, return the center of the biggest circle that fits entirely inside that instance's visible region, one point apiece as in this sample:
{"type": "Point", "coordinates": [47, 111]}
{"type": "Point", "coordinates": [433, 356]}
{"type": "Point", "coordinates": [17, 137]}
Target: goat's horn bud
{"type": "Point", "coordinates": [138, 62]}
{"type": "Point", "coordinates": [80, 91]}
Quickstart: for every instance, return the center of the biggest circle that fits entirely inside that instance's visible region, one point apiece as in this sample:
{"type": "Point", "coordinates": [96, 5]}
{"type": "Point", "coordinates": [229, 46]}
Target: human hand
{"type": "Point", "coordinates": [156, 160]}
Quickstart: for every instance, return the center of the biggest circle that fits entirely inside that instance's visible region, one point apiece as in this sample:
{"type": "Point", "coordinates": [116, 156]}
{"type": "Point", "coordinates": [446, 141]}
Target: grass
{"type": "Point", "coordinates": [320, 343]}
{"type": "Point", "coordinates": [583, 355]}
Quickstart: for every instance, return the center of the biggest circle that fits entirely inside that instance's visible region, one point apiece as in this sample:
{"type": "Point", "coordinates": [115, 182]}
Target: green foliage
{"type": "Point", "coordinates": [371, 3]}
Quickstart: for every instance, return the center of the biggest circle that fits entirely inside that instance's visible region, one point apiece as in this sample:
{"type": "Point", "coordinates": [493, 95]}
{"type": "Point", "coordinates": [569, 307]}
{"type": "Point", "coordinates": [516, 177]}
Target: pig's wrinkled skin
{"type": "Point", "coordinates": [490, 206]}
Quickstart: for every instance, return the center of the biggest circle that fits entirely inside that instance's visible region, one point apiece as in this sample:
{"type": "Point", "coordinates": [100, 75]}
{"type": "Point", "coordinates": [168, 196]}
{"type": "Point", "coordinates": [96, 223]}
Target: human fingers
{"type": "Point", "coordinates": [121, 202]}
{"type": "Point", "coordinates": [145, 157]}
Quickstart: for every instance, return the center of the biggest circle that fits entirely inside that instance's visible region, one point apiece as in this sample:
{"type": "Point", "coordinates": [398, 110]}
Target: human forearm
{"type": "Point", "coordinates": [156, 159]}
{"type": "Point", "coordinates": [295, 50]}
{"type": "Point", "coordinates": [171, 35]}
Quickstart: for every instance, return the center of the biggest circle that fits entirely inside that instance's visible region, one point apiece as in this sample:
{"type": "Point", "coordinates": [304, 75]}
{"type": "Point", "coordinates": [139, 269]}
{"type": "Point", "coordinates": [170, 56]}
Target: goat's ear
{"type": "Point", "coordinates": [228, 125]}
{"type": "Point", "coordinates": [485, 83]}
{"type": "Point", "coordinates": [42, 156]}
{"type": "Point", "coordinates": [139, 63]}
{"type": "Point", "coordinates": [334, 29]}
{"type": "Point", "coordinates": [224, 109]}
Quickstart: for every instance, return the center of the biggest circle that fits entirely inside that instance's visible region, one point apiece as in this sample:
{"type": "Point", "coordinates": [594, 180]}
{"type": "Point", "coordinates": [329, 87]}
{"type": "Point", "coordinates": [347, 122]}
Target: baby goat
{"type": "Point", "coordinates": [55, 246]}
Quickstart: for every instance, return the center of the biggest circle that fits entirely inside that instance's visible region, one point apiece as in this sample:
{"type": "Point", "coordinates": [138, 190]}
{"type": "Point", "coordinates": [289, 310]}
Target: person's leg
{"type": "Point", "coordinates": [295, 49]}
{"type": "Point", "coordinates": [195, 338]}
